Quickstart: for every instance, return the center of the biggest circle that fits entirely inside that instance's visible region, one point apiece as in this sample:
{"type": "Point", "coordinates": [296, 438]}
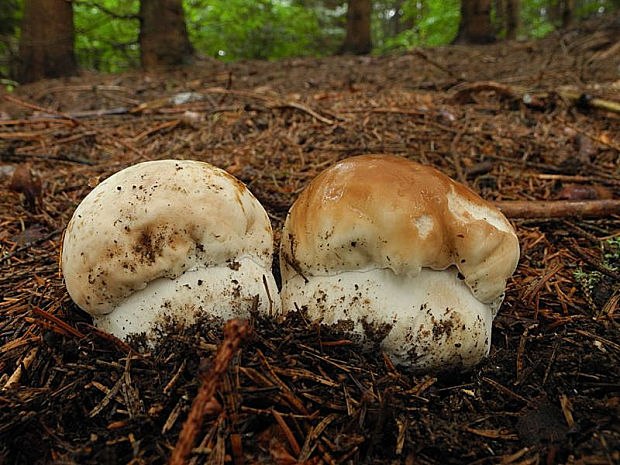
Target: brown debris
{"type": "Point", "coordinates": [298, 393]}
{"type": "Point", "coordinates": [234, 334]}
{"type": "Point", "coordinates": [26, 182]}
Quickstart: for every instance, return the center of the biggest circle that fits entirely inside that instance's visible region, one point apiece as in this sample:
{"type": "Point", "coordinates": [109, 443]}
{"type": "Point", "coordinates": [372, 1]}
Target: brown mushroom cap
{"type": "Point", "coordinates": [377, 211]}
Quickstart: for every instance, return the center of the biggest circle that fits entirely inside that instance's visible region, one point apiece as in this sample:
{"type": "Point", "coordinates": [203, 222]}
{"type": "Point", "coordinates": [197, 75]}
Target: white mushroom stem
{"type": "Point", "coordinates": [429, 320]}
{"type": "Point", "coordinates": [189, 296]}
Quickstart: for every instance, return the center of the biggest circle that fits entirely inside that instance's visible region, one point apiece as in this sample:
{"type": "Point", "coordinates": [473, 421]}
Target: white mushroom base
{"type": "Point", "coordinates": [221, 291]}
{"type": "Point", "coordinates": [429, 322]}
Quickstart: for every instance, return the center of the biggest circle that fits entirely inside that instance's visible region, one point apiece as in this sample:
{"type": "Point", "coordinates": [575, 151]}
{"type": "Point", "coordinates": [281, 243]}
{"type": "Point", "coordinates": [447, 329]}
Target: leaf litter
{"type": "Point", "coordinates": [503, 118]}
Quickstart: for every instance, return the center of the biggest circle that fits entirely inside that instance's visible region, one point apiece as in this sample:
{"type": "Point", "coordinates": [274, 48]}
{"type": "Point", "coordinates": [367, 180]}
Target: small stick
{"type": "Point", "coordinates": [601, 339]}
{"type": "Point", "coordinates": [439, 66]}
{"type": "Point", "coordinates": [273, 102]}
{"type": "Point", "coordinates": [503, 389]}
{"type": "Point", "coordinates": [111, 339]}
{"type": "Point", "coordinates": [24, 365]}
{"type": "Point", "coordinates": [235, 332]}
{"type": "Point", "coordinates": [582, 99]}
{"type": "Point", "coordinates": [456, 158]}
{"type": "Point", "coordinates": [74, 120]}
{"type": "Point", "coordinates": [66, 327]}
{"type": "Point", "coordinates": [594, 137]}
{"type": "Point", "coordinates": [558, 208]}
{"type": "Point", "coordinates": [290, 437]}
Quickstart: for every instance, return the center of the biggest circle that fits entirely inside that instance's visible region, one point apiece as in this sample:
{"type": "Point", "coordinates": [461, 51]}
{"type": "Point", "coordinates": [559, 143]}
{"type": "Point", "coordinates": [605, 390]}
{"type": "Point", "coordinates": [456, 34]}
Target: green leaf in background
{"type": "Point", "coordinates": [10, 17]}
{"type": "Point", "coordinates": [239, 29]}
{"type": "Point", "coordinates": [107, 30]}
{"type": "Point", "coordinates": [106, 36]}
{"type": "Point", "coordinates": [430, 23]}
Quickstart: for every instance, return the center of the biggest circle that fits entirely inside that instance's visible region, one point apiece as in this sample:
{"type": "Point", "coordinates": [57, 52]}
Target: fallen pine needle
{"type": "Point", "coordinates": [235, 332]}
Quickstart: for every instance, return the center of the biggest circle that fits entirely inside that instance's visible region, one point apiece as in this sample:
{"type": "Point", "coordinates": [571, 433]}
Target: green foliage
{"type": "Point", "coordinates": [10, 17]}
{"type": "Point", "coordinates": [589, 8]}
{"type": "Point", "coordinates": [536, 17]}
{"type": "Point", "coordinates": [238, 29]}
{"type": "Point", "coordinates": [435, 22]}
{"type": "Point", "coordinates": [611, 253]}
{"type": "Point", "coordinates": [430, 23]}
{"type": "Point", "coordinates": [611, 261]}
{"type": "Point", "coordinates": [331, 16]}
{"type": "Point", "coordinates": [588, 279]}
{"type": "Point", "coordinates": [107, 30]}
{"type": "Point", "coordinates": [541, 17]}
{"type": "Point", "coordinates": [107, 34]}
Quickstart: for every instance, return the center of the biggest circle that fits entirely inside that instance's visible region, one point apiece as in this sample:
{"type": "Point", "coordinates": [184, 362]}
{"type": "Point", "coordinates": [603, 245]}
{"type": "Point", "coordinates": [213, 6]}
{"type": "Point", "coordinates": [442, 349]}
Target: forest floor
{"type": "Point", "coordinates": [515, 121]}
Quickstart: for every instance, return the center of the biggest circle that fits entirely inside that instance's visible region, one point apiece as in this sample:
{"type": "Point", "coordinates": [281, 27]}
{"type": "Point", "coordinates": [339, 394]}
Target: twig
{"type": "Point", "coordinates": [72, 119]}
{"type": "Point", "coordinates": [235, 332]}
{"type": "Point", "coordinates": [290, 437]}
{"type": "Point", "coordinates": [464, 90]}
{"type": "Point", "coordinates": [576, 179]}
{"type": "Point", "coordinates": [426, 58]}
{"type": "Point", "coordinates": [601, 339]}
{"type": "Point", "coordinates": [274, 102]}
{"type": "Point", "coordinates": [65, 140]}
{"type": "Point", "coordinates": [24, 365]}
{"type": "Point", "coordinates": [582, 99]}
{"type": "Point", "coordinates": [123, 346]}
{"type": "Point", "coordinates": [27, 246]}
{"type": "Point", "coordinates": [402, 111]}
{"type": "Point", "coordinates": [66, 327]}
{"type": "Point", "coordinates": [503, 389]}
{"type": "Point", "coordinates": [160, 127]}
{"type": "Point", "coordinates": [46, 156]}
{"type": "Point", "coordinates": [527, 163]}
{"type": "Point", "coordinates": [456, 158]}
{"type": "Point", "coordinates": [313, 436]}
{"type": "Point", "coordinates": [603, 141]}
{"type": "Point", "coordinates": [35, 120]}
{"type": "Point", "coordinates": [107, 398]}
{"type": "Point", "coordinates": [558, 208]}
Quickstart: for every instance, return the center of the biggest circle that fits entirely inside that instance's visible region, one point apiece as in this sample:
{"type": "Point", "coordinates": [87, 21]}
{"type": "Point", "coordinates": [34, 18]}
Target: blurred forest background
{"type": "Point", "coordinates": [51, 38]}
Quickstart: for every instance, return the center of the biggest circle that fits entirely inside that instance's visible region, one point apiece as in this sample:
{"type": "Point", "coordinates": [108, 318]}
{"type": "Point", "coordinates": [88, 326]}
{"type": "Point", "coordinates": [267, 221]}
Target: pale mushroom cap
{"type": "Point", "coordinates": [367, 241]}
{"type": "Point", "coordinates": [158, 220]}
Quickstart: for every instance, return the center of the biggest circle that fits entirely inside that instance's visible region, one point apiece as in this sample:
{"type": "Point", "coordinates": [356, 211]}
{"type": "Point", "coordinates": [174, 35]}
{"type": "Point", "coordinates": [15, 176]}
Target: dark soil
{"type": "Point", "coordinates": [515, 121]}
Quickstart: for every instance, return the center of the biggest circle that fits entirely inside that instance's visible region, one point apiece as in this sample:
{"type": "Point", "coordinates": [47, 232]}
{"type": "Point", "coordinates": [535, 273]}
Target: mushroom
{"type": "Point", "coordinates": [168, 239]}
{"type": "Point", "coordinates": [398, 253]}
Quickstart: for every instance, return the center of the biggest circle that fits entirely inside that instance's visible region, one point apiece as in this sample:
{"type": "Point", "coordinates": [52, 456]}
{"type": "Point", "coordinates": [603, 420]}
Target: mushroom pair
{"type": "Point", "coordinates": [384, 248]}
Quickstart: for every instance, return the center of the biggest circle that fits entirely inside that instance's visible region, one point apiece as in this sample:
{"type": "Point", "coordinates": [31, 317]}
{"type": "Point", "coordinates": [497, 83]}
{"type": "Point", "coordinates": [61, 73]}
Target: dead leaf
{"type": "Point", "coordinates": [30, 235]}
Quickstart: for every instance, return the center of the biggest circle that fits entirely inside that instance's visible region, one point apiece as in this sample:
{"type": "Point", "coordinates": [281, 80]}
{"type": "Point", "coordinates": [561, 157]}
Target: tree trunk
{"type": "Point", "coordinates": [164, 42]}
{"type": "Point", "coordinates": [400, 22]}
{"type": "Point", "coordinates": [513, 19]}
{"type": "Point", "coordinates": [358, 39]}
{"type": "Point", "coordinates": [46, 42]}
{"type": "Point", "coordinates": [568, 9]}
{"type": "Point", "coordinates": [475, 25]}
